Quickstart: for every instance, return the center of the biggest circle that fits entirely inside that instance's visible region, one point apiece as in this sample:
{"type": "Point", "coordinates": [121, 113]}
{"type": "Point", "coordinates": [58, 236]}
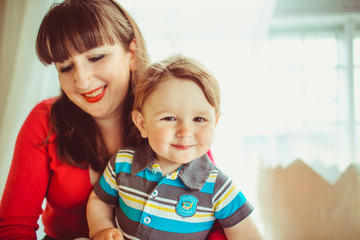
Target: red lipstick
{"type": "Point", "coordinates": [95, 95]}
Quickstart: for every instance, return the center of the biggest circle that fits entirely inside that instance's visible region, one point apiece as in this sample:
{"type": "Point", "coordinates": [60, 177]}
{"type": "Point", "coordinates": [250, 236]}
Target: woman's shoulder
{"type": "Point", "coordinates": [39, 116]}
{"type": "Point", "coordinates": [41, 110]}
{"type": "Point", "coordinates": [45, 105]}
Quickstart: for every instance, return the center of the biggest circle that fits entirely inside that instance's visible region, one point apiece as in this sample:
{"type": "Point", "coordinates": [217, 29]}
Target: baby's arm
{"type": "Point", "coordinates": [100, 219]}
{"type": "Point", "coordinates": [244, 230]}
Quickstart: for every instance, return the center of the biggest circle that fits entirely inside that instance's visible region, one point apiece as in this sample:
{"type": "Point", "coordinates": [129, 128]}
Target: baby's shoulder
{"type": "Point", "coordinates": [125, 155]}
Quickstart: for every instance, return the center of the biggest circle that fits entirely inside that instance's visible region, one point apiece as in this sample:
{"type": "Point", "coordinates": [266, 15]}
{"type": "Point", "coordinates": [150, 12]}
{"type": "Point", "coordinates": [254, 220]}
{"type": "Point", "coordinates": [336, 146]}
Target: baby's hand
{"type": "Point", "coordinates": [109, 234]}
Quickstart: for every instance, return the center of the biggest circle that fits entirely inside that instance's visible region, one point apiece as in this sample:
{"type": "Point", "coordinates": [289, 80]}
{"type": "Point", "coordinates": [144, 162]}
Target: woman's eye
{"type": "Point", "coordinates": [199, 119]}
{"type": "Point", "coordinates": [66, 69]}
{"type": "Point", "coordinates": [96, 58]}
{"type": "Point", "coordinates": [168, 119]}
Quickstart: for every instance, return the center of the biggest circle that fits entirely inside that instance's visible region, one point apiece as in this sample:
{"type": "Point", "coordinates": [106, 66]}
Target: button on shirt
{"type": "Point", "coordinates": [180, 205]}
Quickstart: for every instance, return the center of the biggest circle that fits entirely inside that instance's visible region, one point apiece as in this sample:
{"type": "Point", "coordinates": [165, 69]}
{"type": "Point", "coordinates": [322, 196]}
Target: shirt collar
{"type": "Point", "coordinates": [193, 174]}
{"type": "Point", "coordinates": [144, 156]}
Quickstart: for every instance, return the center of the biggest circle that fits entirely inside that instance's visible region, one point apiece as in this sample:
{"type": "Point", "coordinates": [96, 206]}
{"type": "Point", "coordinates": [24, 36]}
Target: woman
{"type": "Point", "coordinates": [65, 142]}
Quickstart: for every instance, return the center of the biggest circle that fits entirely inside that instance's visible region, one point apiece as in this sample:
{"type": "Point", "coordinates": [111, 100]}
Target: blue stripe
{"type": "Point", "coordinates": [106, 187]}
{"type": "Point", "coordinates": [130, 212]}
{"type": "Point", "coordinates": [148, 175]}
{"type": "Point", "coordinates": [177, 183]}
{"type": "Point", "coordinates": [170, 225]}
{"type": "Point", "coordinates": [234, 205]}
{"type": "Point", "coordinates": [208, 188]}
{"type": "Point", "coordinates": [122, 167]}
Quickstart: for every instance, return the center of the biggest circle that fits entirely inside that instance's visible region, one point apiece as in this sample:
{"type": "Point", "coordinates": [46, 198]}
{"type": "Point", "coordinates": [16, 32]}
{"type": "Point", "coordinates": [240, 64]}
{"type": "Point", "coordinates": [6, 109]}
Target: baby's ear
{"type": "Point", "coordinates": [217, 117]}
{"type": "Point", "coordinates": [139, 122]}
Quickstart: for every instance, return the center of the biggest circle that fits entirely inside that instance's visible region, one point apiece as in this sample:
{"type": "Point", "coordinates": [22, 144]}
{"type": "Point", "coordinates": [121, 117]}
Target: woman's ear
{"type": "Point", "coordinates": [139, 122]}
{"type": "Point", "coordinates": [132, 49]}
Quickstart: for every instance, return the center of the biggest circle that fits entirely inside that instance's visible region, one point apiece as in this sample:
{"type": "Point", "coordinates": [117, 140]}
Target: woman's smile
{"type": "Point", "coordinates": [95, 95]}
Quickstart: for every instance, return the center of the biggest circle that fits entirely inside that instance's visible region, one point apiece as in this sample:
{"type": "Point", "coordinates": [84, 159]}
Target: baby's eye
{"type": "Point", "coordinates": [66, 68]}
{"type": "Point", "coordinates": [199, 119]}
{"type": "Point", "coordinates": [97, 58]}
{"type": "Point", "coordinates": [168, 119]}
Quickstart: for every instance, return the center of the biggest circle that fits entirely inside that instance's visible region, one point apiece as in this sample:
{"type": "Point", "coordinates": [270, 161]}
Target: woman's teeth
{"type": "Point", "coordinates": [95, 93]}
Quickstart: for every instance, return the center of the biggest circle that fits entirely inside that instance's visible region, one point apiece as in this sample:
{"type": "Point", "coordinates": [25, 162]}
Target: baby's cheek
{"type": "Point", "coordinates": [205, 138]}
{"type": "Point", "coordinates": [161, 135]}
{"type": "Point", "coordinates": [158, 140]}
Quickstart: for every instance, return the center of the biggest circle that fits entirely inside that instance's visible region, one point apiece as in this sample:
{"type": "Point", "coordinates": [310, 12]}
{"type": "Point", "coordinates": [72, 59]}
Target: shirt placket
{"type": "Point", "coordinates": [151, 208]}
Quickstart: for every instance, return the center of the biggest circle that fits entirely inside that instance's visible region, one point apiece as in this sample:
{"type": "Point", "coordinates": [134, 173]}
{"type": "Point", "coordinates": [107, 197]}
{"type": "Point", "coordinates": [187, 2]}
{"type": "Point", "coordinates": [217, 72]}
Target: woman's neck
{"type": "Point", "coordinates": [111, 131]}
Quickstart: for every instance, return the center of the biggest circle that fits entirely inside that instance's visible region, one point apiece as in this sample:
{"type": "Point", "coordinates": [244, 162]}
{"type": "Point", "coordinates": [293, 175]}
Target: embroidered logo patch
{"type": "Point", "coordinates": [186, 206]}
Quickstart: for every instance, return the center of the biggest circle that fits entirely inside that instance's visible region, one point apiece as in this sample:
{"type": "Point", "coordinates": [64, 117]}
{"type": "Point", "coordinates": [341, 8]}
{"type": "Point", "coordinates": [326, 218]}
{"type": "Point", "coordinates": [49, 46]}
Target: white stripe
{"type": "Point", "coordinates": [221, 189]}
{"type": "Point", "coordinates": [205, 209]}
{"type": "Point", "coordinates": [124, 157]}
{"type": "Point", "coordinates": [134, 201]}
{"type": "Point", "coordinates": [133, 190]}
{"type": "Point", "coordinates": [211, 178]}
{"type": "Point", "coordinates": [126, 151]}
{"type": "Point", "coordinates": [111, 170]}
{"type": "Point", "coordinates": [228, 199]}
{"type": "Point", "coordinates": [109, 178]}
{"type": "Point", "coordinates": [166, 200]}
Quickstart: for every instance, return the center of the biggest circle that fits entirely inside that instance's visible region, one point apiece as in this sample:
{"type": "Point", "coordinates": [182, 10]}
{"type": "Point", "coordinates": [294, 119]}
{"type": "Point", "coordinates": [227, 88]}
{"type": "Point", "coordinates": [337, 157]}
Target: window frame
{"type": "Point", "coordinates": [347, 26]}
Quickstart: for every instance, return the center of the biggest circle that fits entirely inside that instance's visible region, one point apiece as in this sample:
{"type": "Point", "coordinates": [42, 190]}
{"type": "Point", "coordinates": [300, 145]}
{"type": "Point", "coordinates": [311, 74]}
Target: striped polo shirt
{"type": "Point", "coordinates": [181, 205]}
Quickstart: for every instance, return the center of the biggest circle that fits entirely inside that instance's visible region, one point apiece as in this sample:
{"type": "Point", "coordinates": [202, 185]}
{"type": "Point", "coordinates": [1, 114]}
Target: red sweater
{"type": "Point", "coordinates": [36, 173]}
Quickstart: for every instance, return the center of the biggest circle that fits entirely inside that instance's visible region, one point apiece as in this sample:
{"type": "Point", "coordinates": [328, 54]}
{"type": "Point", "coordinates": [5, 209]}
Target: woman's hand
{"type": "Point", "coordinates": [109, 234]}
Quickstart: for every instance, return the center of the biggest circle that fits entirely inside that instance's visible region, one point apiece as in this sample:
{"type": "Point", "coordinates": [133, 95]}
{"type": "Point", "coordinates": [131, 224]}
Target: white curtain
{"type": "Point", "coordinates": [24, 80]}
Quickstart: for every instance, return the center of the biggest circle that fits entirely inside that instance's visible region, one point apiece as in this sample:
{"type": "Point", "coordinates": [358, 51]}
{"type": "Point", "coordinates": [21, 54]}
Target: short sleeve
{"type": "Point", "coordinates": [107, 188]}
{"type": "Point", "coordinates": [230, 204]}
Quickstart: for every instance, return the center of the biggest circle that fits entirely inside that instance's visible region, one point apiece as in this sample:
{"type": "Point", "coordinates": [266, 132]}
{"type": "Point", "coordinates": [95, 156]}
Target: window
{"type": "Point", "coordinates": [309, 75]}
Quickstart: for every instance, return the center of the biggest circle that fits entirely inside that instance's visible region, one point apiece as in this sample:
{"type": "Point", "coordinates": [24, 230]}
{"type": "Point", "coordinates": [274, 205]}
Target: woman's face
{"type": "Point", "coordinates": [97, 80]}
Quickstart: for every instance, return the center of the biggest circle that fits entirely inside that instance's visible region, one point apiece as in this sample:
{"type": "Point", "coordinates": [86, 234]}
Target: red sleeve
{"type": "Point", "coordinates": [211, 157]}
{"type": "Point", "coordinates": [28, 178]}
{"type": "Point", "coordinates": [217, 233]}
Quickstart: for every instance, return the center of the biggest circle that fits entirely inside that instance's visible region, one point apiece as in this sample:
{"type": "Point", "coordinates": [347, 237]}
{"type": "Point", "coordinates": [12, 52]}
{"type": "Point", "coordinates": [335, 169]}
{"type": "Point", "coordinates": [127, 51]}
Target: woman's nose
{"type": "Point", "coordinates": [82, 76]}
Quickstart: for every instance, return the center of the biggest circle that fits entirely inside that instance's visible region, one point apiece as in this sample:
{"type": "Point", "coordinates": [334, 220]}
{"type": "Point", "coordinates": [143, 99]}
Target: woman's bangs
{"type": "Point", "coordinates": [70, 32]}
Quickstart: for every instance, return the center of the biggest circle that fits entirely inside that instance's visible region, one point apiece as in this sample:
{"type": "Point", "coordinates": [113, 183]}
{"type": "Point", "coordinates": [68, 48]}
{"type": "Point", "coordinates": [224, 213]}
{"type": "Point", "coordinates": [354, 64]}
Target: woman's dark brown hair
{"type": "Point", "coordinates": [80, 25]}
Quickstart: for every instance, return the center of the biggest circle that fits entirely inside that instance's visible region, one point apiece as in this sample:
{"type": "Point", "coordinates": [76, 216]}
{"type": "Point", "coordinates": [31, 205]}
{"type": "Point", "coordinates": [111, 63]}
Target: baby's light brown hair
{"type": "Point", "coordinates": [179, 67]}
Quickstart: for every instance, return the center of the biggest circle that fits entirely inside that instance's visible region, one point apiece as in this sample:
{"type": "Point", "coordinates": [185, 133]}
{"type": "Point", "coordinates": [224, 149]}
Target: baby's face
{"type": "Point", "coordinates": [178, 121]}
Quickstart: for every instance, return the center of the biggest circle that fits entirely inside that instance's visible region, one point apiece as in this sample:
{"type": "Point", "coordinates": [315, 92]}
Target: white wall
{"type": "Point", "coordinates": [24, 80]}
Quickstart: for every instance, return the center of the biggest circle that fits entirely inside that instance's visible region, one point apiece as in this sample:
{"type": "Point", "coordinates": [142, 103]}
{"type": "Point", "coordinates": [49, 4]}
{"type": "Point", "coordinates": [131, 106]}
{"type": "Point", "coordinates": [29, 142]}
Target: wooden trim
{"type": "Point", "coordinates": [286, 8]}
